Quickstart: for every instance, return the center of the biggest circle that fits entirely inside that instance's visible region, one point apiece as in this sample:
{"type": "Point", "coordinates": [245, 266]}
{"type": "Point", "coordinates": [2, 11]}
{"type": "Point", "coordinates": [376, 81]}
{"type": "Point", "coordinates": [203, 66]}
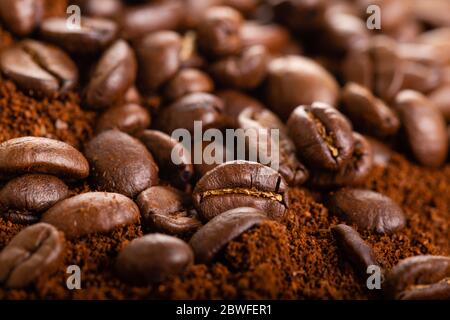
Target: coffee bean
{"type": "Point", "coordinates": [419, 278]}
{"type": "Point", "coordinates": [235, 102]}
{"type": "Point", "coordinates": [367, 209]}
{"type": "Point", "coordinates": [192, 107]}
{"type": "Point", "coordinates": [243, 6]}
{"type": "Point", "coordinates": [219, 231]}
{"type": "Point", "coordinates": [159, 58]}
{"type": "Point", "coordinates": [32, 254]}
{"type": "Point", "coordinates": [433, 13]}
{"type": "Point", "coordinates": [322, 135]}
{"type": "Point", "coordinates": [128, 117]}
{"type": "Point", "coordinates": [100, 8]}
{"type": "Point", "coordinates": [300, 15]}
{"type": "Point", "coordinates": [382, 154]}
{"type": "Point", "coordinates": [424, 126]}
{"type": "Point", "coordinates": [112, 76]}
{"type": "Point", "coordinates": [420, 76]}
{"type": "Point", "coordinates": [21, 17]}
{"type": "Point", "coordinates": [241, 183]}
{"type": "Point", "coordinates": [30, 194]}
{"type": "Point", "coordinates": [213, 154]}
{"type": "Point", "coordinates": [219, 31]}
{"type": "Point", "coordinates": [173, 159]}
{"type": "Point", "coordinates": [166, 209]}
{"type": "Point", "coordinates": [92, 212]}
{"type": "Point", "coordinates": [39, 68]}
{"type": "Point", "coordinates": [367, 112]}
{"type": "Point", "coordinates": [93, 35]}
{"type": "Point", "coordinates": [294, 81]}
{"type": "Point", "coordinates": [290, 168]}
{"type": "Point", "coordinates": [354, 172]}
{"type": "Point", "coordinates": [245, 71]}
{"type": "Point", "coordinates": [354, 247]}
{"type": "Point", "coordinates": [275, 38]}
{"type": "Point", "coordinates": [132, 96]}
{"type": "Point", "coordinates": [188, 81]}
{"type": "Point", "coordinates": [153, 258]}
{"type": "Point", "coordinates": [120, 163]}
{"type": "Point", "coordinates": [41, 155]}
{"type": "Point", "coordinates": [441, 99]}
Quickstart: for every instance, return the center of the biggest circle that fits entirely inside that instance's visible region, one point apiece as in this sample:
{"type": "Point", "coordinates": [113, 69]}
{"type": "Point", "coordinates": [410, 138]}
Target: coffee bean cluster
{"type": "Point", "coordinates": [335, 90]}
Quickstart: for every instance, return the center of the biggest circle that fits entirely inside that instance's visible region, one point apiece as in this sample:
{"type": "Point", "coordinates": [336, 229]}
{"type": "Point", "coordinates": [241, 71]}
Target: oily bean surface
{"type": "Point", "coordinates": [128, 117]}
{"type": "Point", "coordinates": [21, 16]}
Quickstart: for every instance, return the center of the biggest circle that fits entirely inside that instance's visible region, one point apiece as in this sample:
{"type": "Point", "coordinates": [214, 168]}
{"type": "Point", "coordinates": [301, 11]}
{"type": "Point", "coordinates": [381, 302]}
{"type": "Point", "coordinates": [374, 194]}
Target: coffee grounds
{"type": "Point", "coordinates": [295, 259]}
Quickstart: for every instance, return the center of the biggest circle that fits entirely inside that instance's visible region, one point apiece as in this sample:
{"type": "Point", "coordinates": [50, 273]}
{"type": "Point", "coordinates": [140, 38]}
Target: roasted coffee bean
{"type": "Point", "coordinates": [424, 126]}
{"type": "Point", "coordinates": [112, 76]}
{"type": "Point", "coordinates": [245, 71]}
{"type": "Point", "coordinates": [219, 231]}
{"type": "Point", "coordinates": [275, 38]}
{"type": "Point", "coordinates": [166, 209]}
{"type": "Point", "coordinates": [30, 194]}
{"type": "Point", "coordinates": [367, 209]}
{"type": "Point", "coordinates": [354, 172]}
{"type": "Point", "coordinates": [137, 21]}
{"type": "Point", "coordinates": [382, 154]}
{"type": "Point", "coordinates": [188, 81]}
{"type": "Point", "coordinates": [39, 68]}
{"type": "Point", "coordinates": [173, 159]}
{"type": "Point", "coordinates": [21, 16]}
{"type": "Point", "coordinates": [354, 247]}
{"type": "Point", "coordinates": [322, 135]}
{"type": "Point", "coordinates": [438, 39]}
{"type": "Point", "coordinates": [241, 184]}
{"type": "Point", "coordinates": [159, 58]}
{"type": "Point", "coordinates": [244, 6]}
{"type": "Point", "coordinates": [121, 163]}
{"type": "Point", "coordinates": [100, 8]}
{"type": "Point", "coordinates": [33, 253]}
{"type": "Point", "coordinates": [92, 212]}
{"type": "Point", "coordinates": [195, 9]}
{"type": "Point", "coordinates": [128, 117]}
{"type": "Point", "coordinates": [235, 102]}
{"type": "Point", "coordinates": [132, 96]}
{"type": "Point", "coordinates": [433, 13]}
{"type": "Point", "coordinates": [290, 168]}
{"type": "Point", "coordinates": [41, 155]}
{"type": "Point", "coordinates": [153, 258]}
{"type": "Point", "coordinates": [219, 31]}
{"type": "Point", "coordinates": [420, 76]}
{"type": "Point", "coordinates": [213, 154]}
{"type": "Point", "coordinates": [419, 278]}
{"type": "Point", "coordinates": [296, 80]}
{"type": "Point", "coordinates": [367, 112]}
{"type": "Point", "coordinates": [441, 99]}
{"type": "Point", "coordinates": [93, 36]}
{"type": "Point", "coordinates": [394, 13]}
{"type": "Point", "coordinates": [300, 15]}
{"type": "Point", "coordinates": [192, 107]}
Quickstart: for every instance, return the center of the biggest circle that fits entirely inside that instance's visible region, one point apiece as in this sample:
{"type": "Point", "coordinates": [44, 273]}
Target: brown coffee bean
{"type": "Point", "coordinates": [173, 159]}
{"type": "Point", "coordinates": [39, 68]}
{"type": "Point", "coordinates": [21, 16]}
{"type": "Point", "coordinates": [367, 112]}
{"type": "Point", "coordinates": [367, 209]}
{"type": "Point", "coordinates": [30, 194]}
{"type": "Point", "coordinates": [153, 258]}
{"type": "Point", "coordinates": [420, 76]}
{"type": "Point", "coordinates": [195, 9]}
{"type": "Point", "coordinates": [433, 13]}
{"type": "Point", "coordinates": [354, 247]}
{"type": "Point", "coordinates": [112, 76]}
{"type": "Point", "coordinates": [93, 36]}
{"type": "Point", "coordinates": [419, 278]}
{"type": "Point", "coordinates": [235, 102]}
{"type": "Point", "coordinates": [166, 209]}
{"type": "Point", "coordinates": [290, 168]}
{"type": "Point", "coordinates": [275, 38]}
{"type": "Point", "coordinates": [424, 126]}
{"type": "Point", "coordinates": [300, 15]}
{"type": "Point", "coordinates": [213, 154]}
{"type": "Point", "coordinates": [382, 154]}
{"type": "Point", "coordinates": [322, 135]}
{"type": "Point", "coordinates": [32, 254]}
{"type": "Point", "coordinates": [121, 163]}
{"type": "Point", "coordinates": [192, 107]}
{"type": "Point", "coordinates": [441, 99]}
{"type": "Point", "coordinates": [128, 117]}
{"type": "Point", "coordinates": [244, 6]}
{"type": "Point", "coordinates": [91, 212]}
{"type": "Point", "coordinates": [219, 31]}
{"type": "Point", "coordinates": [41, 155]}
{"type": "Point", "coordinates": [241, 184]}
{"type": "Point", "coordinates": [188, 81]}
{"type": "Point", "coordinates": [354, 172]}
{"type": "Point", "coordinates": [219, 231]}
{"type": "Point", "coordinates": [132, 96]}
{"type": "Point", "coordinates": [100, 8]}
{"type": "Point", "coordinates": [394, 13]}
{"type": "Point", "coordinates": [159, 58]}
{"type": "Point", "coordinates": [294, 81]}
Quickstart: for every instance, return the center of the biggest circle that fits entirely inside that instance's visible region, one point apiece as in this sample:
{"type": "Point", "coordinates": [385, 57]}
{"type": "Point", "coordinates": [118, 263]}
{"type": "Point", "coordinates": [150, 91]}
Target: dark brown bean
{"type": "Point", "coordinates": [235, 102]}
{"type": "Point", "coordinates": [382, 154]}
{"type": "Point", "coordinates": [153, 258]}
{"type": "Point", "coordinates": [112, 76]}
{"type": "Point", "coordinates": [441, 99]}
{"type": "Point", "coordinates": [21, 16]}
{"type": "Point", "coordinates": [367, 209]}
{"type": "Point", "coordinates": [128, 117]}
{"type": "Point", "coordinates": [188, 81]}
{"type": "Point", "coordinates": [100, 8]}
{"type": "Point", "coordinates": [33, 253]}
{"type": "Point", "coordinates": [92, 212]}
{"type": "Point", "coordinates": [219, 231]}
{"type": "Point", "coordinates": [241, 184]}
{"type": "Point", "coordinates": [121, 163]}
{"type": "Point", "coordinates": [275, 38]}
{"type": "Point", "coordinates": [41, 155]}
{"type": "Point", "coordinates": [322, 135]}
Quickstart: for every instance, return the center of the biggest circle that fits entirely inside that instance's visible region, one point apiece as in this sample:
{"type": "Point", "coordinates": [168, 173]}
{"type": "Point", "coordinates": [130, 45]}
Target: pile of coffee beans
{"type": "Point", "coordinates": [338, 91]}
